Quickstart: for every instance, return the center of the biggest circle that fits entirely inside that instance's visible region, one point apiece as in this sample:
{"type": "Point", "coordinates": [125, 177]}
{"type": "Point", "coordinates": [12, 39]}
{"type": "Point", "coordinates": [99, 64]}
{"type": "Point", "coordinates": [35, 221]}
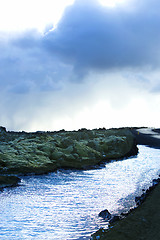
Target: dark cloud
{"type": "Point", "coordinates": [26, 67]}
{"type": "Point", "coordinates": [90, 36]}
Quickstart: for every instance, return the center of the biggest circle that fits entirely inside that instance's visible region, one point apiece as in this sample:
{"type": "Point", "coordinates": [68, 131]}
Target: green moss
{"type": "Point", "coordinates": [33, 152]}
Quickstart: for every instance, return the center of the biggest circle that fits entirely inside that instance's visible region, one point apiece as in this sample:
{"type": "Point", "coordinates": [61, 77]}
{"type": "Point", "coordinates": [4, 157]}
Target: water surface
{"type": "Point", "coordinates": [65, 205]}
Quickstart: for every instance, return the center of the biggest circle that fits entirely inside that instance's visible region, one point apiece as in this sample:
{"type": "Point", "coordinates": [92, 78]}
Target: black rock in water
{"type": "Point", "coordinates": [105, 214]}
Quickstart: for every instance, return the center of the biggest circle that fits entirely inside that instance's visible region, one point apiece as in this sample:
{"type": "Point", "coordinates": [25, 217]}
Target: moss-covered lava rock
{"type": "Point", "coordinates": [8, 181]}
{"type": "Point", "coordinates": [42, 152]}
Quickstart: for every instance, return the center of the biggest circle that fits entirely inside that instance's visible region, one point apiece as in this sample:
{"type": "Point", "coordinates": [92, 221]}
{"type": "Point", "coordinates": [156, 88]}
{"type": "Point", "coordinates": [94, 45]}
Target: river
{"type": "Point", "coordinates": [64, 205]}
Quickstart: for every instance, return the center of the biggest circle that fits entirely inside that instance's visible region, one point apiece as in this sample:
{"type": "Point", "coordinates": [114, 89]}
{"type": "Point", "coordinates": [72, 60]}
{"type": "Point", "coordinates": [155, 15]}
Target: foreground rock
{"type": "Point", "coordinates": [105, 214]}
{"type": "Point", "coordinates": [42, 152]}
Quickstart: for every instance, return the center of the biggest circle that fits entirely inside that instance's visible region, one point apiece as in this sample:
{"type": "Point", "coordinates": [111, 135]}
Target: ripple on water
{"type": "Point", "coordinates": [65, 205]}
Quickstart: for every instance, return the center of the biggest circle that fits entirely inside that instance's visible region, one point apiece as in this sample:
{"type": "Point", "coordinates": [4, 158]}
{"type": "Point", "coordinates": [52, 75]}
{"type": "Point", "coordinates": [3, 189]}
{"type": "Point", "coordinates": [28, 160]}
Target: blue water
{"type": "Point", "coordinates": [65, 205]}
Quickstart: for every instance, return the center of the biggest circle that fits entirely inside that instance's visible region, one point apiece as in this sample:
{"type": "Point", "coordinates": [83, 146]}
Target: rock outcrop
{"type": "Point", "coordinates": [9, 181]}
{"type": "Point", "coordinates": [105, 214]}
{"type": "Point", "coordinates": [42, 152]}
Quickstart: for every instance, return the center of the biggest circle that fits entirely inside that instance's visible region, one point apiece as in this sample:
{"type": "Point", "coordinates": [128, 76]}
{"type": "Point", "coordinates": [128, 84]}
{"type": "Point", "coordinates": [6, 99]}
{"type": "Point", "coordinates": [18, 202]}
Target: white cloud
{"type": "Point", "coordinates": [19, 15]}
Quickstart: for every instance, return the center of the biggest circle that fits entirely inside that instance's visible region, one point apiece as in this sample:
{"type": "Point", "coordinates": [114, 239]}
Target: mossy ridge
{"type": "Point", "coordinates": [41, 152]}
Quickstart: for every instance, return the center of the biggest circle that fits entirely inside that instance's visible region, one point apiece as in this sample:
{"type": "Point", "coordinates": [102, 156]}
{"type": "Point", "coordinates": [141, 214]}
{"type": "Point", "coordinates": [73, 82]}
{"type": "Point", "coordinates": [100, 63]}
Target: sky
{"type": "Point", "coordinates": [72, 64]}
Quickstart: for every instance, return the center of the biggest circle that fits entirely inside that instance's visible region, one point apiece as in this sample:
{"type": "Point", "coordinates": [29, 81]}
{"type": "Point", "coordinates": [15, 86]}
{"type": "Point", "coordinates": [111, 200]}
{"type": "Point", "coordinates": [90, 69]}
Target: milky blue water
{"type": "Point", "coordinates": [65, 205]}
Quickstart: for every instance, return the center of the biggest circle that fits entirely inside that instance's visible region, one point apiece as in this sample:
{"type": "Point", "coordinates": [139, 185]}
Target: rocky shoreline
{"type": "Point", "coordinates": [138, 222]}
{"type": "Point", "coordinates": [142, 221]}
{"type": "Point", "coordinates": [24, 153]}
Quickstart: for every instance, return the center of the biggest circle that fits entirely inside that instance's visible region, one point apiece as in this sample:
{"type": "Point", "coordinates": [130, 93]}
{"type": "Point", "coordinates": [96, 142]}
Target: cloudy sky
{"type": "Point", "coordinates": [79, 64]}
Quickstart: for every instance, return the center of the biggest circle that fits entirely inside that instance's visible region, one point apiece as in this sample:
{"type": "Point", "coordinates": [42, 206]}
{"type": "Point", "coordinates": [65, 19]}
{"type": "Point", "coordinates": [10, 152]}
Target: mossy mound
{"type": "Point", "coordinates": [42, 152]}
{"type": "Point", "coordinates": [8, 181]}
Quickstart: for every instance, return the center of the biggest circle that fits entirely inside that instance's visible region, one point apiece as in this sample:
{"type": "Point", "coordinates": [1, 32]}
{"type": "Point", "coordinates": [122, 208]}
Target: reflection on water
{"type": "Point", "coordinates": [65, 205]}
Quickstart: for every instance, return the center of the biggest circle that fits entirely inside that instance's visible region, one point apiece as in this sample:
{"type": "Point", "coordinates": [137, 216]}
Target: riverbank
{"type": "Point", "coordinates": [140, 224]}
{"type": "Point", "coordinates": [42, 152]}
{"type": "Point", "coordinates": [143, 222]}
{"type": "Point", "coordinates": [147, 136]}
